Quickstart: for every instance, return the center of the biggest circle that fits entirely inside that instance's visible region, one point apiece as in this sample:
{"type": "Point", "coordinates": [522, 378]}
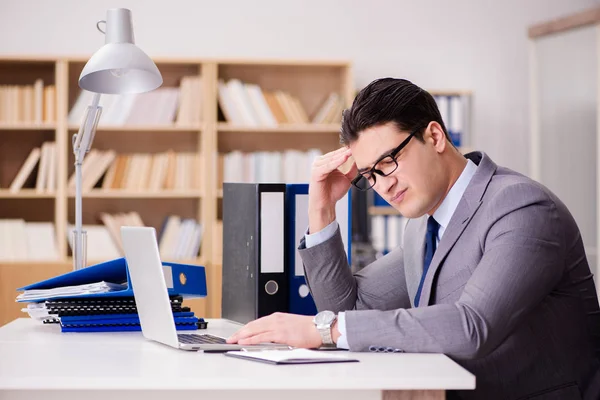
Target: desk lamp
{"type": "Point", "coordinates": [118, 67]}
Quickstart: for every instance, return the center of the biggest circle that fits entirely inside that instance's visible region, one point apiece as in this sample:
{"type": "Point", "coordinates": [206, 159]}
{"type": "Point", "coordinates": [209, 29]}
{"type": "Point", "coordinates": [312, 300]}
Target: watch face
{"type": "Point", "coordinates": [324, 317]}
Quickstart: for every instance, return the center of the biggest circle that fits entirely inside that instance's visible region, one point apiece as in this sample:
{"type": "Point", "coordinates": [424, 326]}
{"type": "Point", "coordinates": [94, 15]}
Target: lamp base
{"type": "Point", "coordinates": [79, 249]}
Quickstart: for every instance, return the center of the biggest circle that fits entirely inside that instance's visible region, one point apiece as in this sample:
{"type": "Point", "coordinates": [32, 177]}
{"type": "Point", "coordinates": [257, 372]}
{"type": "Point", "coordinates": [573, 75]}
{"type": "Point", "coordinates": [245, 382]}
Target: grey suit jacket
{"type": "Point", "coordinates": [509, 294]}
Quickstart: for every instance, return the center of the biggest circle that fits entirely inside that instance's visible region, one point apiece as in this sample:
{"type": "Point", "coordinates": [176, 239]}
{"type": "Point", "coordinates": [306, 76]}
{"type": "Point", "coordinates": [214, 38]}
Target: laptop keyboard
{"type": "Point", "coordinates": [205, 338]}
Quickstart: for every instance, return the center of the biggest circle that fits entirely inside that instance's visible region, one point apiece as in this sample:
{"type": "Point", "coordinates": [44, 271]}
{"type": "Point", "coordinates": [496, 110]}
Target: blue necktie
{"type": "Point", "coordinates": [430, 245]}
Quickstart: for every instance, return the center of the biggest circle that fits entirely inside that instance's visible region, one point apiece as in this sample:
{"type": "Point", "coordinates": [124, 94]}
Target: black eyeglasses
{"type": "Point", "coordinates": [384, 166]}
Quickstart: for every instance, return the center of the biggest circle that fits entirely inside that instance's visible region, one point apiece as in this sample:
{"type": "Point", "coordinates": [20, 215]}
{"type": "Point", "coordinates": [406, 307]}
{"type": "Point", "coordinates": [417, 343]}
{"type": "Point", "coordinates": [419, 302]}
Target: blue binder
{"type": "Point", "coordinates": [300, 300]}
{"type": "Point", "coordinates": [115, 318]}
{"type": "Point", "coordinates": [123, 328]}
{"type": "Point", "coordinates": [189, 281]}
{"type": "Point", "coordinates": [134, 320]}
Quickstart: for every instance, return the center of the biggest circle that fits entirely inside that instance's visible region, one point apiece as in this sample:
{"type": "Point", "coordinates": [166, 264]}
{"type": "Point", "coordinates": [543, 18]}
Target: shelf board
{"type": "Point", "coordinates": [26, 194]}
{"type": "Point", "coordinates": [32, 263]}
{"type": "Point", "coordinates": [27, 126]}
{"type": "Point", "coordinates": [141, 128]}
{"type": "Point", "coordinates": [284, 128]}
{"type": "Point", "coordinates": [383, 210]}
{"type": "Point", "coordinates": [128, 194]}
{"type": "Point", "coordinates": [284, 62]}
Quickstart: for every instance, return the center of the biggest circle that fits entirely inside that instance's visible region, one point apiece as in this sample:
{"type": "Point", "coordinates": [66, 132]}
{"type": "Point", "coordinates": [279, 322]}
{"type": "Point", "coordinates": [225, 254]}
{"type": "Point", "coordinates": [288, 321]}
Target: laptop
{"type": "Point", "coordinates": [152, 298]}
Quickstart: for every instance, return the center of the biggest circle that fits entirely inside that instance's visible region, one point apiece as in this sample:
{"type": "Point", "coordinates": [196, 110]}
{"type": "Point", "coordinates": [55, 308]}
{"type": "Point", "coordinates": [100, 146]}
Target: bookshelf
{"type": "Point", "coordinates": [205, 132]}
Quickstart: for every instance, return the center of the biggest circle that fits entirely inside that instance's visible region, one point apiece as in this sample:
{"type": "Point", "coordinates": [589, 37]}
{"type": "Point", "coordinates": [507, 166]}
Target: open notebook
{"type": "Point", "coordinates": [295, 356]}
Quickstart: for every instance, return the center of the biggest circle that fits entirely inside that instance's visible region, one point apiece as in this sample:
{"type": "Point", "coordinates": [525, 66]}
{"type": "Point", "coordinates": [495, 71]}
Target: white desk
{"type": "Point", "coordinates": [39, 362]}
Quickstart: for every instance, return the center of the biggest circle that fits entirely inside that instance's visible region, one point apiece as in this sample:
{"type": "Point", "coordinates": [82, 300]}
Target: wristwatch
{"type": "Point", "coordinates": [323, 322]}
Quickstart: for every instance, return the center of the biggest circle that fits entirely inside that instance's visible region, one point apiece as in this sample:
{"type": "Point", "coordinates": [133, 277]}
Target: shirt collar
{"type": "Point", "coordinates": [445, 211]}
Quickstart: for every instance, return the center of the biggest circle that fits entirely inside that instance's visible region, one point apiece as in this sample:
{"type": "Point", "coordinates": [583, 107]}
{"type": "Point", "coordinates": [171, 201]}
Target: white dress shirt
{"type": "Point", "coordinates": [442, 215]}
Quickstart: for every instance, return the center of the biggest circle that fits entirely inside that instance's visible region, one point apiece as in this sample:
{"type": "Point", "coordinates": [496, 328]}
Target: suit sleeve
{"type": "Point", "coordinates": [380, 285]}
{"type": "Point", "coordinates": [523, 260]}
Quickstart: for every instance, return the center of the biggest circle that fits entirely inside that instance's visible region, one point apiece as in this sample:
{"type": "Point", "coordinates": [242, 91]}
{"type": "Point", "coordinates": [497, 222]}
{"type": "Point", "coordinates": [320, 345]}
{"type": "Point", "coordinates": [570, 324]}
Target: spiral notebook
{"type": "Point", "coordinates": [295, 356]}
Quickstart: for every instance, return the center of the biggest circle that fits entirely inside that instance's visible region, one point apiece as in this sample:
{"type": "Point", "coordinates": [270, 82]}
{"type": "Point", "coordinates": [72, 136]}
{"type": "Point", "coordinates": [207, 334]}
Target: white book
{"type": "Point", "coordinates": [401, 227]}
{"type": "Point", "coordinates": [19, 239]}
{"type": "Point", "coordinates": [243, 104]}
{"type": "Point", "coordinates": [125, 105]}
{"type": "Point", "coordinates": [186, 229]}
{"type": "Point", "coordinates": [95, 171]}
{"type": "Point", "coordinates": [228, 106]}
{"type": "Point", "coordinates": [392, 229]}
{"type": "Point", "coordinates": [443, 106]}
{"type": "Point", "coordinates": [41, 241]}
{"type": "Point", "coordinates": [25, 171]}
{"type": "Point", "coordinates": [378, 232]}
{"type": "Point", "coordinates": [42, 176]}
{"type": "Point", "coordinates": [134, 219]}
{"type": "Point", "coordinates": [188, 242]}
{"type": "Point", "coordinates": [107, 103]}
{"type": "Point", "coordinates": [168, 237]}
{"type": "Point", "coordinates": [88, 164]}
{"type": "Point", "coordinates": [196, 241]}
{"type": "Point", "coordinates": [183, 117]}
{"type": "Point", "coordinates": [78, 110]}
{"type": "Point", "coordinates": [322, 113]}
{"type": "Point", "coordinates": [27, 103]}
{"type": "Point", "coordinates": [111, 105]}
{"type": "Point", "coordinates": [257, 99]}
{"type": "Point", "coordinates": [159, 171]}
{"type": "Point", "coordinates": [100, 245]}
{"type": "Point", "coordinates": [168, 109]}
{"type": "Point", "coordinates": [457, 121]}
{"type": "Point", "coordinates": [114, 229]}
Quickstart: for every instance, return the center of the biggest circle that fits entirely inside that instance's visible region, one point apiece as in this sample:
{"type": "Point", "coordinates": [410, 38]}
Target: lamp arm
{"type": "Point", "coordinates": [82, 143]}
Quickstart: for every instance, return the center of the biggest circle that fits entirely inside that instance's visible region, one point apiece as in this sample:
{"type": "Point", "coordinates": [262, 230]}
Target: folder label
{"type": "Point", "coordinates": [272, 227]}
{"type": "Point", "coordinates": [168, 273]}
{"type": "Point", "coordinates": [301, 223]}
{"type": "Point", "coordinates": [342, 213]}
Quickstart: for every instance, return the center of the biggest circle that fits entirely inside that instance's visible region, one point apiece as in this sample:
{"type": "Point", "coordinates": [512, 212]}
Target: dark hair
{"type": "Point", "coordinates": [390, 100]}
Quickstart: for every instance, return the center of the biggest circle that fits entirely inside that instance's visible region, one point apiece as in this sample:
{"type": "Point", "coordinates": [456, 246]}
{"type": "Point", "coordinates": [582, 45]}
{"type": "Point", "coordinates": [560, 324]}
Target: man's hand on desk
{"type": "Point", "coordinates": [291, 329]}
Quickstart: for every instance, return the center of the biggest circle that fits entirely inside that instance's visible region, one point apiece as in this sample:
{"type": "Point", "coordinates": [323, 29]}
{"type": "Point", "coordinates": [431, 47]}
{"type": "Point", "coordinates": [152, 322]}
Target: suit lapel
{"type": "Point", "coordinates": [414, 246]}
{"type": "Point", "coordinates": [467, 207]}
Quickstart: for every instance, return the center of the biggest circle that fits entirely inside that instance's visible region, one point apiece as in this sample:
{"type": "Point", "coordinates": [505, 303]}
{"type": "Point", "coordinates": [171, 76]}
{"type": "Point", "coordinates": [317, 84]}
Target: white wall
{"type": "Point", "coordinates": [443, 44]}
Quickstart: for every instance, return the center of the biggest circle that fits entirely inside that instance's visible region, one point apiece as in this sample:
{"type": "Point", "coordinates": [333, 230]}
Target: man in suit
{"type": "Point", "coordinates": [492, 271]}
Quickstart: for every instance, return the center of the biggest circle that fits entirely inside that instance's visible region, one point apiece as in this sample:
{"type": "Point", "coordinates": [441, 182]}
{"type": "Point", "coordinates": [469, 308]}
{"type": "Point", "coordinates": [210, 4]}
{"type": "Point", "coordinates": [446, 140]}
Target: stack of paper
{"type": "Point", "coordinates": [63, 291]}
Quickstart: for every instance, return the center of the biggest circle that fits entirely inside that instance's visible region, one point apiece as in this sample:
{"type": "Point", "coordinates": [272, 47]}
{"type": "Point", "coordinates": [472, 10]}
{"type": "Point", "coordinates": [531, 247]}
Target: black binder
{"type": "Point", "coordinates": [255, 273]}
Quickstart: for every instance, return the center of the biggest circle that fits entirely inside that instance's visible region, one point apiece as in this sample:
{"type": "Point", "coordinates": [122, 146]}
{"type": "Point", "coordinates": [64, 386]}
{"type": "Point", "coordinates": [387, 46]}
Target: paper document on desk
{"type": "Point", "coordinates": [88, 288]}
{"type": "Point", "coordinates": [295, 356]}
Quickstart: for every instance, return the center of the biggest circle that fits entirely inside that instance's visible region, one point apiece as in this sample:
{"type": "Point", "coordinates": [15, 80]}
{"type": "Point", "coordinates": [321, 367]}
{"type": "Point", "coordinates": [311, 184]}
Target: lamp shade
{"type": "Point", "coordinates": [119, 66]}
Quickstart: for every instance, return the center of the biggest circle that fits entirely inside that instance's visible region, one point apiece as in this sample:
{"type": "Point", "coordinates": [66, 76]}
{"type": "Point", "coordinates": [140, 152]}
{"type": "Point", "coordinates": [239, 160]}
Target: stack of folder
{"type": "Point", "coordinates": [100, 298]}
{"type": "Point", "coordinates": [105, 315]}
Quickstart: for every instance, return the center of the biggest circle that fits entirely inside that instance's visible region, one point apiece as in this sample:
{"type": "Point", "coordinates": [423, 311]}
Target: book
{"type": "Point", "coordinates": [295, 356]}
